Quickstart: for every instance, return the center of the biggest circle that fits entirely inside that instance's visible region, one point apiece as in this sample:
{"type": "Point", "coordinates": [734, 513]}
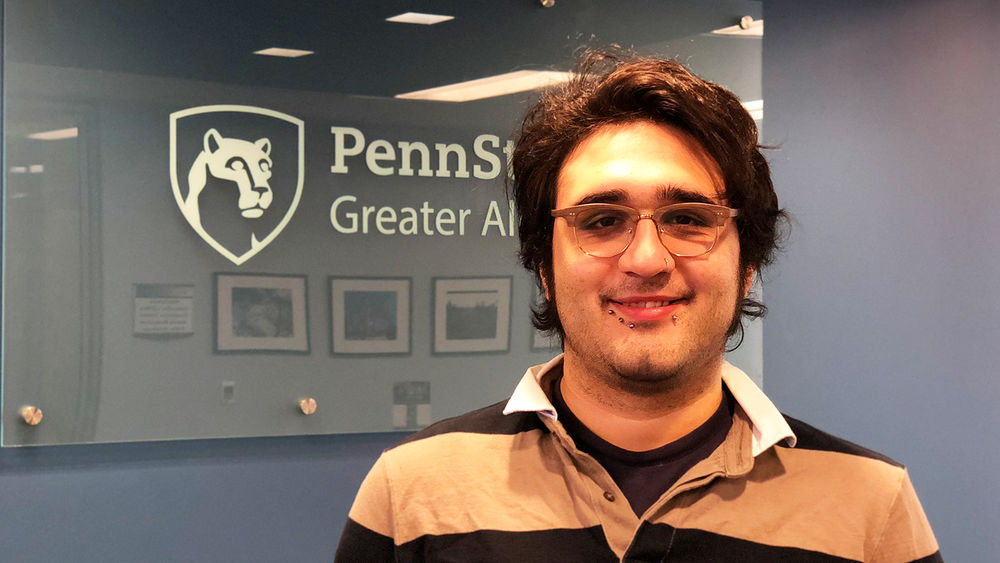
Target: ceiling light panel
{"type": "Point", "coordinates": [283, 52]}
{"type": "Point", "coordinates": [55, 134]}
{"type": "Point", "coordinates": [755, 108]}
{"type": "Point", "coordinates": [489, 87]}
{"type": "Point", "coordinates": [419, 18]}
{"type": "Point", "coordinates": [754, 29]}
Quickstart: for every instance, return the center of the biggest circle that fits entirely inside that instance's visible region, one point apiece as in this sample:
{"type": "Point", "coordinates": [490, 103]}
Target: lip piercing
{"type": "Point", "coordinates": [632, 325]}
{"type": "Point", "coordinates": [675, 319]}
{"type": "Point", "coordinates": [620, 319]}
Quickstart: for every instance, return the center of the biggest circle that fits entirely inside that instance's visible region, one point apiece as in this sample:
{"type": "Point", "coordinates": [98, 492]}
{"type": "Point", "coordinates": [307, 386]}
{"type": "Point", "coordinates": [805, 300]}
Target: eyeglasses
{"type": "Point", "coordinates": [604, 230]}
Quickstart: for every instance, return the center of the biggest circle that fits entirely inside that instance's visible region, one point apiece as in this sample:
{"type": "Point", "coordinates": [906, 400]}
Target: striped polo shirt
{"type": "Point", "coordinates": [506, 483]}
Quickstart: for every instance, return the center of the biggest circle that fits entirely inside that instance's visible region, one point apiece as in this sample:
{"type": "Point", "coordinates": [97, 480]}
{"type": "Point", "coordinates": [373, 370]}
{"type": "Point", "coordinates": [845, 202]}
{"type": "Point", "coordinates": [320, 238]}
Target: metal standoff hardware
{"type": "Point", "coordinates": [31, 415]}
{"type": "Point", "coordinates": [307, 405]}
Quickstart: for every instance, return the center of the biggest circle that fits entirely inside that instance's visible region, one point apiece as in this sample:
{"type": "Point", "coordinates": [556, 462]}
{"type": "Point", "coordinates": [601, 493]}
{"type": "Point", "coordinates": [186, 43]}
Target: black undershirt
{"type": "Point", "coordinates": [644, 476]}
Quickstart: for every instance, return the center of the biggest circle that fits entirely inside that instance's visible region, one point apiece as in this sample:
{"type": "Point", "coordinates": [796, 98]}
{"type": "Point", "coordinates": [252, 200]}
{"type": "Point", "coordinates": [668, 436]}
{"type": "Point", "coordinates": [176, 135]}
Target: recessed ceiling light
{"type": "Point", "coordinates": [499, 85]}
{"type": "Point", "coordinates": [283, 52]}
{"type": "Point", "coordinates": [755, 108]}
{"type": "Point", "coordinates": [55, 134]}
{"type": "Point", "coordinates": [417, 17]}
{"type": "Point", "coordinates": [754, 28]}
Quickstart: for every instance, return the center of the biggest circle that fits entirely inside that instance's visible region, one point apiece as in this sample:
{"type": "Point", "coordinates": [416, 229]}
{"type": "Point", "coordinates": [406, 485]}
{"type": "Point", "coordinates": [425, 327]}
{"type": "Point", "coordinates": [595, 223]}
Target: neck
{"type": "Point", "coordinates": [641, 417]}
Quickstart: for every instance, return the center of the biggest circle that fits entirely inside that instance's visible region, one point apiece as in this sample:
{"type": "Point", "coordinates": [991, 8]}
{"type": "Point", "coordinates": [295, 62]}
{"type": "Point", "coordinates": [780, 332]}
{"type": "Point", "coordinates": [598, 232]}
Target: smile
{"type": "Point", "coordinates": [647, 309]}
{"type": "Point", "coordinates": [649, 304]}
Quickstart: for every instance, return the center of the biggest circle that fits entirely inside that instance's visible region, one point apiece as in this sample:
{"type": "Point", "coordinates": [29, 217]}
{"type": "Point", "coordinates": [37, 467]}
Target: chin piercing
{"type": "Point", "coordinates": [675, 319]}
{"type": "Point", "coordinates": [611, 312]}
{"type": "Point", "coordinates": [631, 325]}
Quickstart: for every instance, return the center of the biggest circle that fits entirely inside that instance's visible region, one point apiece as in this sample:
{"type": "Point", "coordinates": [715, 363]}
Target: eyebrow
{"type": "Point", "coordinates": [679, 194]}
{"type": "Point", "coordinates": [607, 196]}
{"type": "Point", "coordinates": [667, 194]}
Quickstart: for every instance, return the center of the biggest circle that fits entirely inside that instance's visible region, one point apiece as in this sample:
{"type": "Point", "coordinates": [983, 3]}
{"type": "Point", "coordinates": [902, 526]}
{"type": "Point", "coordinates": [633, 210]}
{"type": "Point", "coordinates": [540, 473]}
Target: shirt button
{"type": "Point", "coordinates": [609, 496]}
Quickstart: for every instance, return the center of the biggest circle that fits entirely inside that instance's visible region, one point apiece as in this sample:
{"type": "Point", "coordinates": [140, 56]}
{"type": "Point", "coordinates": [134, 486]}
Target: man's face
{"type": "Point", "coordinates": [645, 166]}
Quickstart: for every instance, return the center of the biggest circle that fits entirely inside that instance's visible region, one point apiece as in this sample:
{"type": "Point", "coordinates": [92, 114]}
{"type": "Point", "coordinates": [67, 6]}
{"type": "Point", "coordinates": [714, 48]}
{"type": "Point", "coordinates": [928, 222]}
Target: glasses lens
{"type": "Point", "coordinates": [603, 231]}
{"type": "Point", "coordinates": [688, 230]}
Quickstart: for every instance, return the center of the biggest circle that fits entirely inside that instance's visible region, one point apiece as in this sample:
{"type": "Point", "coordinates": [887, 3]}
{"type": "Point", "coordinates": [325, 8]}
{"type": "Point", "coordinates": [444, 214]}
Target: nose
{"type": "Point", "coordinates": [261, 189]}
{"type": "Point", "coordinates": [646, 256]}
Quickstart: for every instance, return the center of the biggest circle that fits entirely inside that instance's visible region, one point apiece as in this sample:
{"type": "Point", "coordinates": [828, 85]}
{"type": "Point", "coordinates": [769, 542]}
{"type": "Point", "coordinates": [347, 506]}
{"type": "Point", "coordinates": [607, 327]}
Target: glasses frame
{"type": "Point", "coordinates": [721, 213]}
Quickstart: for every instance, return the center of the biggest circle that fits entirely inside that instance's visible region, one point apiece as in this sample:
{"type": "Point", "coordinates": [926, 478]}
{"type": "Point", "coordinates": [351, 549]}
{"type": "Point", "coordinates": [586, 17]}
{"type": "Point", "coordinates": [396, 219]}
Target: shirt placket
{"type": "Point", "coordinates": [732, 459]}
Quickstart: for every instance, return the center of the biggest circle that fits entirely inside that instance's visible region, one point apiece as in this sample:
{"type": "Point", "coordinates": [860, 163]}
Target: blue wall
{"type": "Point", "coordinates": [268, 499]}
{"type": "Point", "coordinates": [885, 309]}
{"type": "Point", "coordinates": [884, 323]}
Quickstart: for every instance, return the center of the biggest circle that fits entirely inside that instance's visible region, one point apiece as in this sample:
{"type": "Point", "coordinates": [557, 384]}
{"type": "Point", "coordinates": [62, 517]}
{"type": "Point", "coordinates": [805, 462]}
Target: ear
{"type": "Point", "coordinates": [545, 283]}
{"type": "Point", "coordinates": [212, 141]}
{"type": "Point", "coordinates": [748, 281]}
{"type": "Point", "coordinates": [264, 145]}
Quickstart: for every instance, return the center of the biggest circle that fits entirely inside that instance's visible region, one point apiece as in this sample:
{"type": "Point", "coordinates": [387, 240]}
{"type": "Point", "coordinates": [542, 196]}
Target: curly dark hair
{"type": "Point", "coordinates": [608, 88]}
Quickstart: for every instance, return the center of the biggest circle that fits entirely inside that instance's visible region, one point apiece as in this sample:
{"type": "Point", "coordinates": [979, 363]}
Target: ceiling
{"type": "Point", "coordinates": [355, 50]}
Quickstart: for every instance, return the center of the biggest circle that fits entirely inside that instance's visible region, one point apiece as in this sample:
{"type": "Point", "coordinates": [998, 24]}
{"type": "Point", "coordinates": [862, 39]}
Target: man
{"type": "Point", "coordinates": [646, 209]}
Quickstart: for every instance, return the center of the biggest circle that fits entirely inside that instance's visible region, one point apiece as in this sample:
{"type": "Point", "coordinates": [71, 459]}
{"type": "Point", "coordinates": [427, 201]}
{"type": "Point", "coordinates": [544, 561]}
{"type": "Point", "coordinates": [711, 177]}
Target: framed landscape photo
{"type": "Point", "coordinates": [261, 313]}
{"type": "Point", "coordinates": [471, 315]}
{"type": "Point", "coordinates": [369, 316]}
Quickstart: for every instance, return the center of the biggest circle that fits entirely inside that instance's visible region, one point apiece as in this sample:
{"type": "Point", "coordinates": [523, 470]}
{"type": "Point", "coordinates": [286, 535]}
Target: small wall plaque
{"type": "Point", "coordinates": [162, 308]}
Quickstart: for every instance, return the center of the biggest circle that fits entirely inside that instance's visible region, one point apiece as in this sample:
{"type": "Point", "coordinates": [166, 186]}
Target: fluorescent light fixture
{"type": "Point", "coordinates": [499, 85]}
{"type": "Point", "coordinates": [18, 169]}
{"type": "Point", "coordinates": [419, 18]}
{"type": "Point", "coordinates": [36, 169]}
{"type": "Point", "coordinates": [55, 134]}
{"type": "Point", "coordinates": [756, 109]}
{"type": "Point", "coordinates": [283, 52]}
{"type": "Point", "coordinates": [755, 29]}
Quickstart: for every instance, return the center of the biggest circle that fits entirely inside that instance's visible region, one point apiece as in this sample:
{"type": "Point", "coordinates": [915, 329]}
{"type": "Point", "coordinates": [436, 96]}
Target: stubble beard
{"type": "Point", "coordinates": [637, 370]}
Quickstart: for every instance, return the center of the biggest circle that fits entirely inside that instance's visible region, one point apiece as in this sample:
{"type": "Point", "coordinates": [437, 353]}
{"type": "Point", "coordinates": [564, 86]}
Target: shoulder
{"type": "Point", "coordinates": [847, 487]}
{"type": "Point", "coordinates": [448, 477]}
{"type": "Point", "coordinates": [469, 441]}
{"type": "Point", "coordinates": [843, 467]}
{"type": "Point", "coordinates": [837, 475]}
{"type": "Point", "coordinates": [810, 438]}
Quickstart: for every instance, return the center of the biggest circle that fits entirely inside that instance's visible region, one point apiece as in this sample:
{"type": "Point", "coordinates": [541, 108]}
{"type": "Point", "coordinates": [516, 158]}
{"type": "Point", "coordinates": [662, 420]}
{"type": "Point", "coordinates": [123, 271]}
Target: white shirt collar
{"type": "Point", "coordinates": [769, 426]}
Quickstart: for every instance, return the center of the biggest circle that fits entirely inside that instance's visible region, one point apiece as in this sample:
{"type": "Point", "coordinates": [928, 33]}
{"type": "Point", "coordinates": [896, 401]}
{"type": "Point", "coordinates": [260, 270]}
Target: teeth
{"type": "Point", "coordinates": [645, 304]}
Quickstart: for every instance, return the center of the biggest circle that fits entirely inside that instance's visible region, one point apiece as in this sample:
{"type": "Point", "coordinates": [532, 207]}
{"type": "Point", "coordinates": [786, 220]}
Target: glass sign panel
{"type": "Point", "coordinates": [259, 218]}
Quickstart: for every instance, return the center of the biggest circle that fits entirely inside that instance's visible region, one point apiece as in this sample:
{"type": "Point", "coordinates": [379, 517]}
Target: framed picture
{"type": "Point", "coordinates": [261, 313]}
{"type": "Point", "coordinates": [471, 315]}
{"type": "Point", "coordinates": [369, 316]}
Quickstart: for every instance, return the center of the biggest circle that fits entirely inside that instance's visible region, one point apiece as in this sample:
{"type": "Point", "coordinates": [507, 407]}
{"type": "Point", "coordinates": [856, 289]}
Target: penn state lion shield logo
{"type": "Point", "coordinates": [237, 174]}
